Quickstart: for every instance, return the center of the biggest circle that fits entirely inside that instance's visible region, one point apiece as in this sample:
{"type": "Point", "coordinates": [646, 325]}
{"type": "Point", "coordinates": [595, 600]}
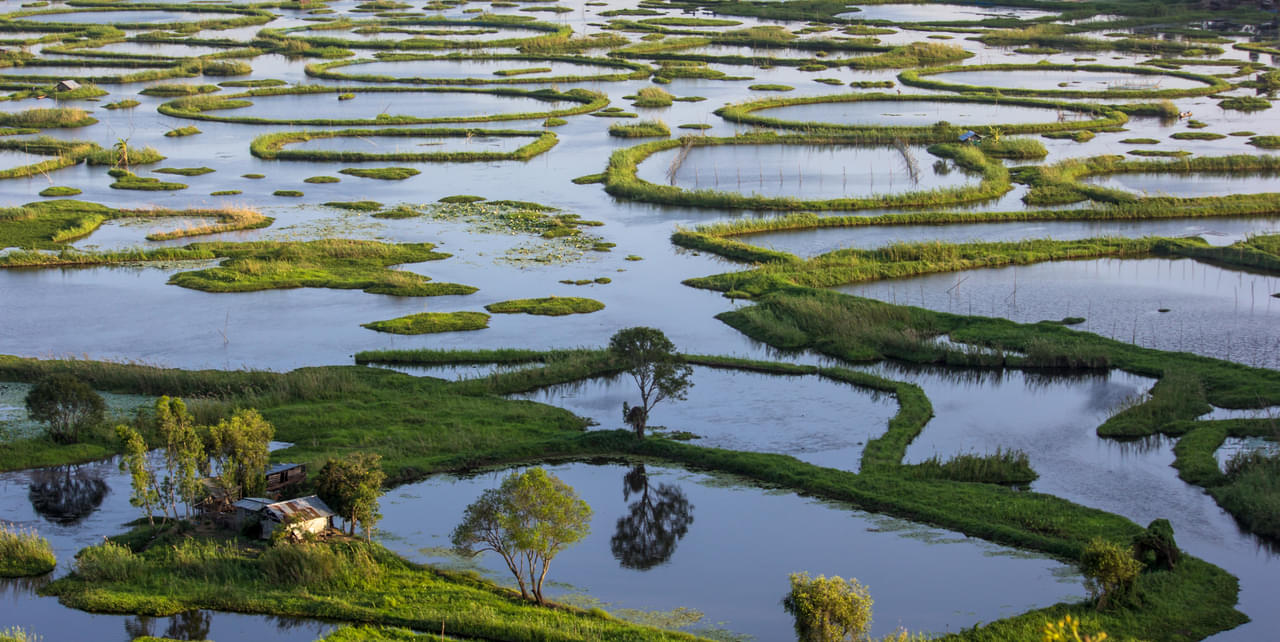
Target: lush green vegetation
{"type": "Point", "coordinates": [47, 118]}
{"type": "Point", "coordinates": [183, 131]}
{"type": "Point", "coordinates": [51, 225]}
{"type": "Point", "coordinates": [271, 146]}
{"type": "Point", "coordinates": [548, 306]}
{"type": "Point", "coordinates": [24, 553]}
{"type": "Point", "coordinates": [641, 129]}
{"type": "Point", "coordinates": [429, 322]}
{"type": "Point", "coordinates": [621, 70]}
{"type": "Point", "coordinates": [126, 179]}
{"type": "Point", "coordinates": [381, 173]}
{"type": "Point", "coordinates": [350, 581]}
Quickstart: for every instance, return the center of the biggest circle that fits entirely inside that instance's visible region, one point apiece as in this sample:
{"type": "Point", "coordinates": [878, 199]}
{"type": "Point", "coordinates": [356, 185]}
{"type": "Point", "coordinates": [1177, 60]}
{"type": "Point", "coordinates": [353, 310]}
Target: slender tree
{"type": "Point", "coordinates": [241, 450]}
{"type": "Point", "coordinates": [351, 486]}
{"type": "Point", "coordinates": [651, 360]}
{"type": "Point", "coordinates": [142, 477]}
{"type": "Point", "coordinates": [527, 520]}
{"type": "Point", "coordinates": [184, 453]}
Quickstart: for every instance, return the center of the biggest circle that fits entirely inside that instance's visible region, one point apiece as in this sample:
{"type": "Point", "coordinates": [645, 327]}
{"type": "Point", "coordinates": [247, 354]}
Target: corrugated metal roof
{"type": "Point", "coordinates": [252, 503]}
{"type": "Point", "coordinates": [280, 467]}
{"type": "Point", "coordinates": [308, 507]}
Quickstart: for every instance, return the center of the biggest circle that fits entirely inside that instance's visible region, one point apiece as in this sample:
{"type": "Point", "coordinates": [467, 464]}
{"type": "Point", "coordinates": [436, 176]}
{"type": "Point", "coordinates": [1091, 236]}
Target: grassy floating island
{"type": "Point", "coordinates": [750, 113]}
{"type": "Point", "coordinates": [207, 107]}
{"type": "Point", "coordinates": [381, 173]}
{"type": "Point", "coordinates": [771, 87]}
{"type": "Point", "coordinates": [547, 306]}
{"type": "Point", "coordinates": [59, 190]}
{"type": "Point", "coordinates": [920, 78]}
{"type": "Point", "coordinates": [178, 89]}
{"type": "Point", "coordinates": [127, 103]}
{"type": "Point", "coordinates": [1062, 183]}
{"type": "Point", "coordinates": [1197, 136]}
{"type": "Point", "coordinates": [322, 179]}
{"type": "Point", "coordinates": [23, 553]}
{"type": "Point", "coordinates": [132, 71]}
{"type": "Point", "coordinates": [185, 171]}
{"type": "Point", "coordinates": [183, 131]}
{"type": "Point", "coordinates": [220, 17]}
{"type": "Point", "coordinates": [52, 225]}
{"type": "Point", "coordinates": [47, 118]}
{"type": "Point", "coordinates": [432, 322]}
{"type": "Point", "coordinates": [427, 33]}
{"type": "Point", "coordinates": [126, 179]}
{"type": "Point", "coordinates": [522, 72]}
{"type": "Point", "coordinates": [270, 146]}
{"type": "Point", "coordinates": [641, 129]}
{"type": "Point", "coordinates": [619, 69]}
{"type": "Point", "coordinates": [292, 193]}
{"type": "Point", "coordinates": [355, 206]}
{"type": "Point", "coordinates": [65, 153]}
{"type": "Point", "coordinates": [342, 264]}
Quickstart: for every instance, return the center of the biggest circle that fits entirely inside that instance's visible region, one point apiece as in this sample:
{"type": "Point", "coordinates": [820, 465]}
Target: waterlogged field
{"type": "Point", "coordinates": [818, 172]}
{"type": "Point", "coordinates": [594, 218]}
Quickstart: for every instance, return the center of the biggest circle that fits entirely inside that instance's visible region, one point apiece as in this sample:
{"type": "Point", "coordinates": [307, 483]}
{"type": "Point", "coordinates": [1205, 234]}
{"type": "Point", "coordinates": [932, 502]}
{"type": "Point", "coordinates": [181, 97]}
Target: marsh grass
{"type": "Point", "coordinates": [47, 118]}
{"type": "Point", "coordinates": [24, 553]}
{"type": "Point", "coordinates": [547, 306]}
{"type": "Point", "coordinates": [920, 78]}
{"type": "Point", "coordinates": [640, 129]}
{"type": "Point", "coordinates": [1005, 467]}
{"type": "Point", "coordinates": [271, 146]}
{"type": "Point", "coordinates": [432, 322]}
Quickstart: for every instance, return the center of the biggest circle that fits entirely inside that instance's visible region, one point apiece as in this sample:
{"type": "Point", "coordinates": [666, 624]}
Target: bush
{"type": "Point", "coordinates": [107, 562]}
{"type": "Point", "coordinates": [66, 404]}
{"type": "Point", "coordinates": [1110, 571]}
{"type": "Point", "coordinates": [828, 609]}
{"type": "Point", "coordinates": [24, 553]}
{"type": "Point", "coordinates": [317, 565]}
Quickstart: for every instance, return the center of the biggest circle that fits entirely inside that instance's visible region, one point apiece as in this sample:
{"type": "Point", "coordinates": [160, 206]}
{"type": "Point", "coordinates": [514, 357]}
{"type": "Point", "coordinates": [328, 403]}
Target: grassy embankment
{"type": "Point", "coordinates": [271, 146]}
{"type": "Point", "coordinates": [51, 225]}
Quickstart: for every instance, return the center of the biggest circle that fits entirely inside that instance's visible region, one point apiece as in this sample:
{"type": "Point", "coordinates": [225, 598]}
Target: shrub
{"type": "Point", "coordinates": [828, 609]}
{"type": "Point", "coordinates": [1110, 571]}
{"type": "Point", "coordinates": [24, 553]}
{"type": "Point", "coordinates": [66, 404]}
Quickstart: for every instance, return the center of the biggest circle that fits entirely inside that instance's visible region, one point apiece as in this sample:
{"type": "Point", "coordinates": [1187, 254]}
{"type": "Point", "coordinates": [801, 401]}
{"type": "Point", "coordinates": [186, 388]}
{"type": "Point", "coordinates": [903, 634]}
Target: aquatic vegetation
{"type": "Point", "coordinates": [431, 322]}
{"type": "Point", "coordinates": [178, 90]}
{"type": "Point", "coordinates": [641, 129]}
{"type": "Point", "coordinates": [59, 190]}
{"type": "Point", "coordinates": [322, 179]}
{"type": "Point", "coordinates": [127, 103]}
{"type": "Point", "coordinates": [1245, 103]}
{"type": "Point", "coordinates": [356, 206]}
{"type": "Point", "coordinates": [381, 173]}
{"type": "Point", "coordinates": [126, 179]}
{"type": "Point", "coordinates": [24, 553]}
{"type": "Point", "coordinates": [547, 306]}
{"type": "Point", "coordinates": [184, 171]}
{"type": "Point", "coordinates": [271, 146]}
{"type": "Point", "coordinates": [287, 192]}
{"type": "Point", "coordinates": [653, 97]}
{"type": "Point", "coordinates": [47, 118]}
{"type": "Point", "coordinates": [1196, 136]}
{"type": "Point", "coordinates": [614, 69]}
{"type": "Point", "coordinates": [771, 87]}
{"type": "Point", "coordinates": [183, 131]}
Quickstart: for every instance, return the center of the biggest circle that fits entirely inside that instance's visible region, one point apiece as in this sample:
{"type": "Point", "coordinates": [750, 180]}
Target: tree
{"type": "Point", "coordinates": [142, 477]}
{"type": "Point", "coordinates": [527, 520]}
{"type": "Point", "coordinates": [351, 487]}
{"type": "Point", "coordinates": [1110, 571]}
{"type": "Point", "coordinates": [67, 404]}
{"type": "Point", "coordinates": [184, 454]}
{"type": "Point", "coordinates": [647, 535]}
{"type": "Point", "coordinates": [1156, 547]}
{"type": "Point", "coordinates": [241, 448]}
{"type": "Point", "coordinates": [828, 609]}
{"type": "Point", "coordinates": [651, 360]}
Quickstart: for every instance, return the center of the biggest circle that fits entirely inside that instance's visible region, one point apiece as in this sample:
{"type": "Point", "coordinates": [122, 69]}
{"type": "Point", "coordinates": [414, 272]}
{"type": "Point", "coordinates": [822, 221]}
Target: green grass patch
{"type": "Point", "coordinates": [521, 72]}
{"type": "Point", "coordinates": [381, 173]}
{"type": "Point", "coordinates": [292, 193]}
{"type": "Point", "coordinates": [24, 553]}
{"type": "Point", "coordinates": [181, 89]}
{"type": "Point", "coordinates": [1197, 136]}
{"type": "Point", "coordinates": [126, 179]}
{"type": "Point", "coordinates": [59, 190]}
{"type": "Point", "coordinates": [185, 171]}
{"type": "Point", "coordinates": [322, 179]}
{"type": "Point", "coordinates": [547, 306]}
{"type": "Point", "coordinates": [641, 129]}
{"type": "Point", "coordinates": [770, 87]}
{"type": "Point", "coordinates": [189, 130]}
{"type": "Point", "coordinates": [431, 322]}
{"type": "Point", "coordinates": [1211, 84]}
{"type": "Point", "coordinates": [1245, 103]}
{"type": "Point", "coordinates": [357, 206]}
{"type": "Point", "coordinates": [271, 146]}
{"type": "Point", "coordinates": [127, 103]}
{"type": "Point", "coordinates": [461, 198]}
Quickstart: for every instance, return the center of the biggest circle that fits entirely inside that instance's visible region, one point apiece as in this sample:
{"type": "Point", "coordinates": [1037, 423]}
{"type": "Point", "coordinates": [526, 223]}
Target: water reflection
{"type": "Point", "coordinates": [647, 535]}
{"type": "Point", "coordinates": [66, 495]}
{"type": "Point", "coordinates": [191, 625]}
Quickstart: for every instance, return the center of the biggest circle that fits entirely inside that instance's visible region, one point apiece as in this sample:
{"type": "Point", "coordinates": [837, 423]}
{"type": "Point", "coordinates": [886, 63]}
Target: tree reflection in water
{"type": "Point", "coordinates": [66, 495]}
{"type": "Point", "coordinates": [189, 625]}
{"type": "Point", "coordinates": [647, 535]}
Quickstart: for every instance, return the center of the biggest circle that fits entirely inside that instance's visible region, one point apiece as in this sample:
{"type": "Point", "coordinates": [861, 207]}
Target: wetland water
{"type": "Point", "coordinates": [919, 577]}
{"type": "Point", "coordinates": [1178, 305]}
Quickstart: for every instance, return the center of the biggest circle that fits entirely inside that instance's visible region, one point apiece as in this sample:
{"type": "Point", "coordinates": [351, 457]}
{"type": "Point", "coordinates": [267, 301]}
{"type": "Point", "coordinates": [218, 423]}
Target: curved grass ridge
{"type": "Point", "coordinates": [270, 146]}
{"type": "Point", "coordinates": [919, 78]}
{"type": "Point", "coordinates": [245, 16]}
{"type": "Point", "coordinates": [1103, 116]}
{"type": "Point", "coordinates": [621, 179]}
{"type": "Point", "coordinates": [66, 153]}
{"type": "Point", "coordinates": [198, 108]}
{"type": "Point", "coordinates": [1062, 182]}
{"type": "Point", "coordinates": [634, 71]}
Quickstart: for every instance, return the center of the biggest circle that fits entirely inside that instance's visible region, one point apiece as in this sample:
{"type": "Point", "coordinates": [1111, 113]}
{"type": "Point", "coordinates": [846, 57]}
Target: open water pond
{"type": "Point", "coordinates": [911, 114]}
{"type": "Point", "coordinates": [370, 105]}
{"type": "Point", "coordinates": [127, 17]}
{"type": "Point", "coordinates": [663, 538]}
{"type": "Point", "coordinates": [75, 507]}
{"type": "Point", "coordinates": [812, 418]}
{"type": "Point", "coordinates": [939, 12]}
{"type": "Point", "coordinates": [412, 144]}
{"type": "Point", "coordinates": [804, 171]}
{"type": "Point", "coordinates": [10, 158]}
{"type": "Point", "coordinates": [472, 69]}
{"type": "Point", "coordinates": [1051, 80]}
{"type": "Point", "coordinates": [1206, 310]}
{"type": "Point", "coordinates": [1189, 185]}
